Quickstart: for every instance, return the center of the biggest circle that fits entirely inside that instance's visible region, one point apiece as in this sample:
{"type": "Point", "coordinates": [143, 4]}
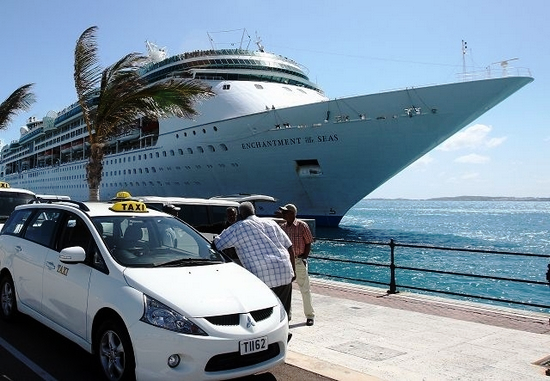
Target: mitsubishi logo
{"type": "Point", "coordinates": [249, 322]}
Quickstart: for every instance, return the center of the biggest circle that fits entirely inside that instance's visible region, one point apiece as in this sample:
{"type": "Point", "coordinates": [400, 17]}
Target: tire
{"type": "Point", "coordinates": [114, 353]}
{"type": "Point", "coordinates": [8, 302]}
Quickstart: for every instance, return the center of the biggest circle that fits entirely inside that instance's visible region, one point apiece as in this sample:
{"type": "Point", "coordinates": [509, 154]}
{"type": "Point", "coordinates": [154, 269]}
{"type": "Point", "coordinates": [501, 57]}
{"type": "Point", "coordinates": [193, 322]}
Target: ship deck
{"type": "Point", "coordinates": [362, 333]}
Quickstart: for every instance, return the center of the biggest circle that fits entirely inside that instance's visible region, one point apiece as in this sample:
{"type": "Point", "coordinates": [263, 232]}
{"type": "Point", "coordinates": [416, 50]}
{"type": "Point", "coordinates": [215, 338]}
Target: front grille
{"type": "Point", "coordinates": [233, 319]}
{"type": "Point", "coordinates": [235, 360]}
{"type": "Point", "coordinates": [260, 315]}
{"type": "Point", "coordinates": [224, 319]}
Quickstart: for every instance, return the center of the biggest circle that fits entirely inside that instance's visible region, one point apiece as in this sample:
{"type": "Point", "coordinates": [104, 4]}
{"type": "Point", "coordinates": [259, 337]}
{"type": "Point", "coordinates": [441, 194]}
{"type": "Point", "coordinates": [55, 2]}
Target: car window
{"type": "Point", "coordinates": [15, 223]}
{"type": "Point", "coordinates": [9, 200]}
{"type": "Point", "coordinates": [43, 226]}
{"type": "Point", "coordinates": [146, 241]}
{"type": "Point", "coordinates": [75, 233]}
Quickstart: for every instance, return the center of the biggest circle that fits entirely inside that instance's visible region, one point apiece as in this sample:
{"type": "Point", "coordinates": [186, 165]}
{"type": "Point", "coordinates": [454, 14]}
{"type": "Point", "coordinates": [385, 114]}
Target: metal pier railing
{"type": "Point", "coordinates": [440, 270]}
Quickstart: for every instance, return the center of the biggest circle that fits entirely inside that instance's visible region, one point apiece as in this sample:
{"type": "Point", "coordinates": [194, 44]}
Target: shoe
{"type": "Point", "coordinates": [309, 322]}
{"type": "Point", "coordinates": [289, 337]}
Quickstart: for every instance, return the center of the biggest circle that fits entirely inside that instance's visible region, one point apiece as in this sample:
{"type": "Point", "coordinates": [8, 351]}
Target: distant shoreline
{"type": "Point", "coordinates": [467, 198]}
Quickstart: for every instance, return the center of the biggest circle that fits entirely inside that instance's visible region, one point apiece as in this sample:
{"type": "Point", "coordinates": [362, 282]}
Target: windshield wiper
{"type": "Point", "coordinates": [188, 262]}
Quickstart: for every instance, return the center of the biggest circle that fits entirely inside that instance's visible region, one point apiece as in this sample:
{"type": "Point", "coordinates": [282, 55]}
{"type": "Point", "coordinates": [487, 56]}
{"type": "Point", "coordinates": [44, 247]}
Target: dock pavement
{"type": "Point", "coordinates": [362, 333]}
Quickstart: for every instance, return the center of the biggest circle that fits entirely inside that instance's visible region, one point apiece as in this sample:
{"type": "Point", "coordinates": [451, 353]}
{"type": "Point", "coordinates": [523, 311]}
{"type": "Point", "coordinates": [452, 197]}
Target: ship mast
{"type": "Point", "coordinates": [464, 51]}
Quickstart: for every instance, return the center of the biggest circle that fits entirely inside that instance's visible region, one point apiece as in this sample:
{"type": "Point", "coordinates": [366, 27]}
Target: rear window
{"type": "Point", "coordinates": [9, 200]}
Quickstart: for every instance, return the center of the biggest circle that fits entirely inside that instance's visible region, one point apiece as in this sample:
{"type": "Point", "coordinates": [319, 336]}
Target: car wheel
{"type": "Point", "coordinates": [8, 304]}
{"type": "Point", "coordinates": [114, 352]}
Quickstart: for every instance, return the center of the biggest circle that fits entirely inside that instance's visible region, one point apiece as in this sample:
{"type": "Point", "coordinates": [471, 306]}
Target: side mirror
{"type": "Point", "coordinates": [74, 254]}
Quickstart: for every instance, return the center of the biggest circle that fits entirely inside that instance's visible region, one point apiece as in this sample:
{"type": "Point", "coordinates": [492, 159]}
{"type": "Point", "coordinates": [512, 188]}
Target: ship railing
{"type": "Point", "coordinates": [494, 72]}
{"type": "Point", "coordinates": [437, 270]}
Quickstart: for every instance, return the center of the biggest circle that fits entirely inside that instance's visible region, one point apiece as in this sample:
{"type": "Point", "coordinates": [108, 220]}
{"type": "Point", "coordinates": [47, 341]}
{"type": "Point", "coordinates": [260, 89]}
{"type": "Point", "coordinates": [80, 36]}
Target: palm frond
{"type": "Point", "coordinates": [20, 100]}
{"type": "Point", "coordinates": [87, 72]}
{"type": "Point", "coordinates": [114, 98]}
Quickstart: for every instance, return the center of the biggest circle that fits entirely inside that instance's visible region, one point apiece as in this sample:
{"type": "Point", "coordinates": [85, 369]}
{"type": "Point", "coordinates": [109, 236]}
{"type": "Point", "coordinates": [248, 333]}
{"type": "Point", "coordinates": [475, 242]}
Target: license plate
{"type": "Point", "coordinates": [253, 345]}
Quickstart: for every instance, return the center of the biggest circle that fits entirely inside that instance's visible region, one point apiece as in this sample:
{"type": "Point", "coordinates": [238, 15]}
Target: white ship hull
{"type": "Point", "coordinates": [285, 141]}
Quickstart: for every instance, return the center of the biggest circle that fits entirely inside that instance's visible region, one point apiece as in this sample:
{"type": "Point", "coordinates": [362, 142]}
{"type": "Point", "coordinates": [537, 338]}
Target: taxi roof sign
{"type": "Point", "coordinates": [123, 195]}
{"type": "Point", "coordinates": [4, 184]}
{"type": "Point", "coordinates": [129, 206]}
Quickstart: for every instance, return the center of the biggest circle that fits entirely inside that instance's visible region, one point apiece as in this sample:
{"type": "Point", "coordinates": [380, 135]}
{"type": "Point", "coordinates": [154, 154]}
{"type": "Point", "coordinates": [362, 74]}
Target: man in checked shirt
{"type": "Point", "coordinates": [263, 249]}
{"type": "Point", "coordinates": [301, 237]}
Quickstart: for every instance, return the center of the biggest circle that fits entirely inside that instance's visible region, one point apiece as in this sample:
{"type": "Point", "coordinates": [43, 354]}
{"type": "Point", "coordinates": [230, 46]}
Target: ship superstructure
{"type": "Point", "coordinates": [268, 130]}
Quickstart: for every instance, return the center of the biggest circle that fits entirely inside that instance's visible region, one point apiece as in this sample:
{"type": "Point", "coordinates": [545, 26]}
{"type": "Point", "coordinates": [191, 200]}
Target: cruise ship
{"type": "Point", "coordinates": [268, 130]}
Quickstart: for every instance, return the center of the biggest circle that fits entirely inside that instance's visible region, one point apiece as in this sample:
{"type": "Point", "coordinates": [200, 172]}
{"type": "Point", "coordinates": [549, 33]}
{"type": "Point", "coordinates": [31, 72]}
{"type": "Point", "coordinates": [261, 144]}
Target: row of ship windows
{"type": "Point", "coordinates": [136, 171]}
{"type": "Point", "coordinates": [171, 152]}
{"type": "Point", "coordinates": [137, 184]}
{"type": "Point", "coordinates": [62, 169]}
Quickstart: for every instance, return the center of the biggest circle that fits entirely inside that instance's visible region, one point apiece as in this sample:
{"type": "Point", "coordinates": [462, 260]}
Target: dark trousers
{"type": "Point", "coordinates": [284, 293]}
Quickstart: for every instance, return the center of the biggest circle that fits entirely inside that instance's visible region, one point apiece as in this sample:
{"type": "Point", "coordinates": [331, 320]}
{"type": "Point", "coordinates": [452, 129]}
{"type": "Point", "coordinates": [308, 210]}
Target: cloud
{"type": "Point", "coordinates": [494, 142]}
{"type": "Point", "coordinates": [472, 159]}
{"type": "Point", "coordinates": [423, 161]}
{"type": "Point", "coordinates": [475, 136]}
{"type": "Point", "coordinates": [469, 176]}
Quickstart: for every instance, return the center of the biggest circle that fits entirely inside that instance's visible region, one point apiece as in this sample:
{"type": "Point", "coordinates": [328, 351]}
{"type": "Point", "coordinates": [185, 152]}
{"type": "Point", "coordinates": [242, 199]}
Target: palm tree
{"type": "Point", "coordinates": [20, 100]}
{"type": "Point", "coordinates": [115, 97]}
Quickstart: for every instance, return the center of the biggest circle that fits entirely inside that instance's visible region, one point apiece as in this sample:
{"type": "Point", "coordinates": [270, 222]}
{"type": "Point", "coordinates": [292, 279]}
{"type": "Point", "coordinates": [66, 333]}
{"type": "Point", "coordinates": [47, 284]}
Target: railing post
{"type": "Point", "coordinates": [393, 287]}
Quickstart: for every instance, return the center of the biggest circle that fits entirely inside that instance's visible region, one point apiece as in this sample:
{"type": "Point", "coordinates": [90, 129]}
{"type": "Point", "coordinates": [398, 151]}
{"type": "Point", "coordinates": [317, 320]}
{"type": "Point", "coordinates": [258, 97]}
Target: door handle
{"type": "Point", "coordinates": [50, 265]}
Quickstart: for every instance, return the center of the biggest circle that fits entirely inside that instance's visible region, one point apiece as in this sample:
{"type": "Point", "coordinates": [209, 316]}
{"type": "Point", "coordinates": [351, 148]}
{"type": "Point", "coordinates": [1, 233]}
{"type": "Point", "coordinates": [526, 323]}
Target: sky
{"type": "Point", "coordinates": [350, 47]}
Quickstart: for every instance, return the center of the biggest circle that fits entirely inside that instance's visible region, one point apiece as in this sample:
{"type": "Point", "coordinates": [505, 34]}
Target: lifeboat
{"type": "Point", "coordinates": [77, 146]}
{"type": "Point", "coordinates": [66, 148]}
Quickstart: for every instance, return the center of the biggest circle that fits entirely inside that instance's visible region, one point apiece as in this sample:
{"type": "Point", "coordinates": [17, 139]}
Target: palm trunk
{"type": "Point", "coordinates": [93, 170]}
{"type": "Point", "coordinates": [93, 194]}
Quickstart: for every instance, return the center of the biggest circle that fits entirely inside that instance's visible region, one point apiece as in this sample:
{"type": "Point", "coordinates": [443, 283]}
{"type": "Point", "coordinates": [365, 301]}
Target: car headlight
{"type": "Point", "coordinates": [162, 316]}
{"type": "Point", "coordinates": [282, 311]}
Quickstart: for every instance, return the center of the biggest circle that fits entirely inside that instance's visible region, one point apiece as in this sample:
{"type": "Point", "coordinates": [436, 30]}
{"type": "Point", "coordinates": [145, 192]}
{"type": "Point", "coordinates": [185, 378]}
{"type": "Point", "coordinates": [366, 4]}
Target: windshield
{"type": "Point", "coordinates": [9, 200]}
{"type": "Point", "coordinates": [145, 241]}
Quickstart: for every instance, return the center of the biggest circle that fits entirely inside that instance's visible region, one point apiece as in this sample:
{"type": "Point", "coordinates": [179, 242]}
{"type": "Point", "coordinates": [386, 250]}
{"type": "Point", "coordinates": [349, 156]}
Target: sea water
{"type": "Point", "coordinates": [510, 226]}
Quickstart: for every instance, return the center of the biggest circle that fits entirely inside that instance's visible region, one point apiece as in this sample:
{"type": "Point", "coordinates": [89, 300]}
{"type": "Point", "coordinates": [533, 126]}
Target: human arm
{"type": "Point", "coordinates": [292, 262]}
{"type": "Point", "coordinates": [307, 249]}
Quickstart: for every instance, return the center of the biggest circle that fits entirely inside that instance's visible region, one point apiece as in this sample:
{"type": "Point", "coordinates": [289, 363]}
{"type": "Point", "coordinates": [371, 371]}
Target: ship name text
{"type": "Point", "coordinates": [290, 141]}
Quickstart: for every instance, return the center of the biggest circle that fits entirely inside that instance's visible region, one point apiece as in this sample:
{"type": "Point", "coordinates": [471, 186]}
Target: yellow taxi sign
{"type": "Point", "coordinates": [4, 184]}
{"type": "Point", "coordinates": [129, 206]}
{"type": "Point", "coordinates": [123, 195]}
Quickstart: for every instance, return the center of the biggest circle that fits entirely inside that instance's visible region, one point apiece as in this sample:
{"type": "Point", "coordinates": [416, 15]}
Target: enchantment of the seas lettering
{"type": "Point", "coordinates": [290, 141]}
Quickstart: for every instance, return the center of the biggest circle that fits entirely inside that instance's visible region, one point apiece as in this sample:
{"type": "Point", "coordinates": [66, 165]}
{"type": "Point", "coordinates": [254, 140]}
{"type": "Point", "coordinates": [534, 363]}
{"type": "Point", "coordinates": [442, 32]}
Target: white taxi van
{"type": "Point", "coordinates": [10, 198]}
{"type": "Point", "coordinates": [140, 289]}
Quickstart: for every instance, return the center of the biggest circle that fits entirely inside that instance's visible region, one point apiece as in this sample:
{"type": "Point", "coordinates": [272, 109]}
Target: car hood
{"type": "Point", "coordinates": [201, 291]}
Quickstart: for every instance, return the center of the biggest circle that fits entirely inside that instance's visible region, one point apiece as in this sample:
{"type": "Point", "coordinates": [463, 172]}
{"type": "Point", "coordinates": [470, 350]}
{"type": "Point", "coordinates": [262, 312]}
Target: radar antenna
{"type": "Point", "coordinates": [156, 53]}
{"type": "Point", "coordinates": [259, 43]}
{"type": "Point", "coordinates": [504, 65]}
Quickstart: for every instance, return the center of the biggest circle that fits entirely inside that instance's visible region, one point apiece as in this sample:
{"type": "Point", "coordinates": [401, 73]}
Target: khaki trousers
{"type": "Point", "coordinates": [302, 278]}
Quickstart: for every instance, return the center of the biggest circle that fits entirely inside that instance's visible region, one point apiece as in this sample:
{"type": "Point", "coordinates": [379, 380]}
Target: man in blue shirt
{"type": "Point", "coordinates": [264, 249]}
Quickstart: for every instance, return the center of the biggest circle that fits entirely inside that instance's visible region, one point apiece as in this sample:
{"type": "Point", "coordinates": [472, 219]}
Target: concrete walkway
{"type": "Point", "coordinates": [361, 333]}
